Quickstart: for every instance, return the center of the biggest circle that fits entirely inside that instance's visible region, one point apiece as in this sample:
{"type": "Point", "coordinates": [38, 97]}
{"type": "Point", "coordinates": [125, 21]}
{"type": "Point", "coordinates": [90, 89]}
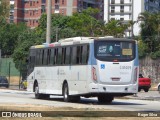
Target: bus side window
{"type": "Point", "coordinates": [55, 55]}
{"type": "Point", "coordinates": [41, 57]}
{"type": "Point", "coordinates": [59, 60]}
{"type": "Point", "coordinates": [68, 56]}
{"type": "Point", "coordinates": [74, 55]}
{"type": "Point", "coordinates": [45, 56]}
{"type": "Point", "coordinates": [87, 57]}
{"type": "Point", "coordinates": [78, 55]}
{"type": "Point", "coordinates": [85, 54]}
{"type": "Point", "coordinates": [48, 56]}
{"type": "Point", "coordinates": [63, 56]}
{"type": "Point", "coordinates": [52, 56]}
{"type": "Point", "coordinates": [37, 56]}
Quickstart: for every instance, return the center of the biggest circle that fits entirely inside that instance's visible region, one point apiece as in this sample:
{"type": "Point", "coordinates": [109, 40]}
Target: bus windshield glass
{"type": "Point", "coordinates": [114, 50]}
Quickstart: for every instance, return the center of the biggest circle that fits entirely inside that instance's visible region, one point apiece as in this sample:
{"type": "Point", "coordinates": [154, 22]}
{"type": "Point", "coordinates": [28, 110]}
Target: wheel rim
{"type": "Point", "coordinates": [65, 93]}
{"type": "Point", "coordinates": [36, 90]}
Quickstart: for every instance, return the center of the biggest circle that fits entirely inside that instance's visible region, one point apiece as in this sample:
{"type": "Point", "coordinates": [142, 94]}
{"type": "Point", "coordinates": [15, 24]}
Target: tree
{"type": "Point", "coordinates": [142, 49]}
{"type": "Point", "coordinates": [59, 22]}
{"type": "Point", "coordinates": [150, 32]}
{"type": "Point", "coordinates": [4, 11]}
{"type": "Point", "coordinates": [8, 37]}
{"type": "Point", "coordinates": [26, 39]}
{"type": "Point", "coordinates": [115, 28]}
{"type": "Point", "coordinates": [85, 23]}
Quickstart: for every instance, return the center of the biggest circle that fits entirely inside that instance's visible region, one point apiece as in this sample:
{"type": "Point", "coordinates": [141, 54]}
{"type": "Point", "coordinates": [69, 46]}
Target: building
{"type": "Point", "coordinates": [11, 12]}
{"type": "Point", "coordinates": [152, 5]}
{"type": "Point", "coordinates": [30, 11]}
{"type": "Point", "coordinates": [126, 10]}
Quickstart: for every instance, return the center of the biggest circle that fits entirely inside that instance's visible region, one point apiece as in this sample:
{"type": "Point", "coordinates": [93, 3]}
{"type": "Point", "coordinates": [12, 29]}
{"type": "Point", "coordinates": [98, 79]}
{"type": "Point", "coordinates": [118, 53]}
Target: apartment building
{"type": "Point", "coordinates": [11, 12]}
{"type": "Point", "coordinates": [126, 10]}
{"type": "Point", "coordinates": [30, 11]}
{"type": "Point", "coordinates": [152, 5]}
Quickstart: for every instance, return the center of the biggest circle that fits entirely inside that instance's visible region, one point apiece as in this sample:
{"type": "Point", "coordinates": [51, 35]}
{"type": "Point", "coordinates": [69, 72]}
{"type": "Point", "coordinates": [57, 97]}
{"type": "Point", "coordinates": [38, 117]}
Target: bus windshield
{"type": "Point", "coordinates": [114, 50]}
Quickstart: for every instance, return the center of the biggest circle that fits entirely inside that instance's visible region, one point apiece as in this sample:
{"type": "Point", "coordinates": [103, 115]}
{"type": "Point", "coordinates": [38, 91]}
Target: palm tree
{"type": "Point", "coordinates": [115, 28]}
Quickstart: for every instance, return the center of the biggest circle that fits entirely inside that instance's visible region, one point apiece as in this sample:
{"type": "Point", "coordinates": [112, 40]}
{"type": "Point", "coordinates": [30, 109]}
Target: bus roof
{"type": "Point", "coordinates": [77, 40]}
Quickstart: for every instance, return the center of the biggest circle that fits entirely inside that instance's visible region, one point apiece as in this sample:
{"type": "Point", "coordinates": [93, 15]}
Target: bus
{"type": "Point", "coordinates": [103, 67]}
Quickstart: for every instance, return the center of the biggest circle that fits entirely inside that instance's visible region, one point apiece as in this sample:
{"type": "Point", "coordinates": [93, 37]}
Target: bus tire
{"type": "Point", "coordinates": [105, 99]}
{"type": "Point", "coordinates": [37, 94]}
{"type": "Point", "coordinates": [66, 96]}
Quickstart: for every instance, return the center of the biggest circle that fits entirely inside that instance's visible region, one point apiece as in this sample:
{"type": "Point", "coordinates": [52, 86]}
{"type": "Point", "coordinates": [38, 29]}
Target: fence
{"type": "Point", "coordinates": [150, 68]}
{"type": "Point", "coordinates": [8, 69]}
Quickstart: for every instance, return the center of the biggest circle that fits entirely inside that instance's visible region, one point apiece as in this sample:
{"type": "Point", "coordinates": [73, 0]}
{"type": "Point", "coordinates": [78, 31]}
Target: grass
{"type": "Point", "coordinates": [14, 80]}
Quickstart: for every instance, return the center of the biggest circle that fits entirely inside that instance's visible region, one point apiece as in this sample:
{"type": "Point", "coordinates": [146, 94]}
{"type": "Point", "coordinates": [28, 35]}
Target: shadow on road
{"type": "Point", "coordinates": [92, 101]}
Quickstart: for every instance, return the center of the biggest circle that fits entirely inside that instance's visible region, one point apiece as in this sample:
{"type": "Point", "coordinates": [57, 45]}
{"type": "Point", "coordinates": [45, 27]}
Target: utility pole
{"type": "Point", "coordinates": [56, 34]}
{"type": "Point", "coordinates": [49, 13]}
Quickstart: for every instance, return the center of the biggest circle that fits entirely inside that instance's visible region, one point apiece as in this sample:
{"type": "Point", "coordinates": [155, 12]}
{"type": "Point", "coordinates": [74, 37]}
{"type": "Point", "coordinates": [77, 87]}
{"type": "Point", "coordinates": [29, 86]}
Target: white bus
{"type": "Point", "coordinates": [84, 66]}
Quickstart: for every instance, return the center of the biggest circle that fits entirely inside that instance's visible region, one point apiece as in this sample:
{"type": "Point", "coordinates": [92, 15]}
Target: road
{"type": "Point", "coordinates": [125, 104]}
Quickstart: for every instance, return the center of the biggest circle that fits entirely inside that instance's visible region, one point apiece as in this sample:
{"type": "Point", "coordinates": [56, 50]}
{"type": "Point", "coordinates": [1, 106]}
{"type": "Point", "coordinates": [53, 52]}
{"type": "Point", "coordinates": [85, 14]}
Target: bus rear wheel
{"type": "Point", "coordinates": [67, 97]}
{"type": "Point", "coordinates": [105, 99]}
{"type": "Point", "coordinates": [66, 93]}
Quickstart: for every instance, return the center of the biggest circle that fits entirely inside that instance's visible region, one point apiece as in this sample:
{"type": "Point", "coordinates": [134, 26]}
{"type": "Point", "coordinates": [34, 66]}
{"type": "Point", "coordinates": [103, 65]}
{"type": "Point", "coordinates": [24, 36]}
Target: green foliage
{"type": "Point", "coordinates": [8, 37]}
{"type": "Point", "coordinates": [85, 23]}
{"type": "Point", "coordinates": [25, 40]}
{"type": "Point", "coordinates": [142, 49]}
{"type": "Point", "coordinates": [4, 11]}
{"type": "Point", "coordinates": [155, 55]}
{"type": "Point", "coordinates": [115, 28]}
{"type": "Point", "coordinates": [150, 32]}
{"type": "Point", "coordinates": [80, 24]}
{"type": "Point", "coordinates": [59, 22]}
{"type": "Point", "coordinates": [62, 33]}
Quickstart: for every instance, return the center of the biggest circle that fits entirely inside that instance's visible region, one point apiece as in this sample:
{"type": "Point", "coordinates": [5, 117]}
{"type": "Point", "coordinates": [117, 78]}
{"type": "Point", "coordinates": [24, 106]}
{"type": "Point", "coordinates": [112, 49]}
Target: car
{"type": "Point", "coordinates": [144, 83]}
{"type": "Point", "coordinates": [158, 87]}
{"type": "Point", "coordinates": [4, 82]}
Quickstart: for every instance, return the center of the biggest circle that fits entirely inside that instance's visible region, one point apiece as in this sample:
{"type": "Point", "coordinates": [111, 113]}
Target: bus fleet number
{"type": "Point", "coordinates": [125, 67]}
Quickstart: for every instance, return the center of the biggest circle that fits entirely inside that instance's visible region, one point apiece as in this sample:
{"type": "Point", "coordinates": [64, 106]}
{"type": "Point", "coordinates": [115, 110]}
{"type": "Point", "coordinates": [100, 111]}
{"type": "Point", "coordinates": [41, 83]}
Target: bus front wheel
{"type": "Point", "coordinates": [105, 99]}
{"type": "Point", "coordinates": [38, 95]}
{"type": "Point", "coordinates": [66, 93]}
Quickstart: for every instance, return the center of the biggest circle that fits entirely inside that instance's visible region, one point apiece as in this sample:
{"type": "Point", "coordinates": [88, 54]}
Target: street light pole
{"type": "Point", "coordinates": [49, 13]}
